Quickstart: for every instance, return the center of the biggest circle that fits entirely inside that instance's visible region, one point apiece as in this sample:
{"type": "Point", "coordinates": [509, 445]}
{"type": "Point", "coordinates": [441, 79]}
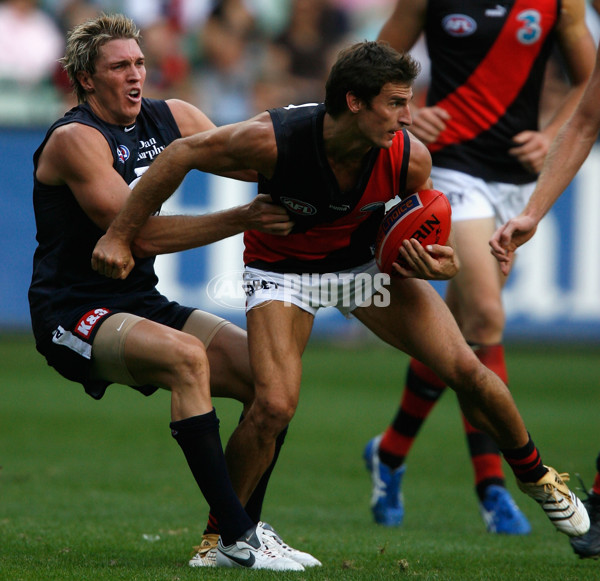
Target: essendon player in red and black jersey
{"type": "Point", "coordinates": [480, 123]}
{"type": "Point", "coordinates": [334, 230]}
{"type": "Point", "coordinates": [319, 163]}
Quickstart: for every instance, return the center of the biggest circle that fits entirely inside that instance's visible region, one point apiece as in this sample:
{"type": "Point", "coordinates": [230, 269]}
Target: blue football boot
{"type": "Point", "coordinates": [386, 500]}
{"type": "Point", "coordinates": [501, 514]}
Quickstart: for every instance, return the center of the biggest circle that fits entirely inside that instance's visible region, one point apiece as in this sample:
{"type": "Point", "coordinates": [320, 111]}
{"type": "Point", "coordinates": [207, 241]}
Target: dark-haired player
{"type": "Point", "coordinates": [331, 165]}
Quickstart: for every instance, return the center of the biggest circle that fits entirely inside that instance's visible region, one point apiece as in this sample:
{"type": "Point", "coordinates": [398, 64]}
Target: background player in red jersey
{"type": "Point", "coordinates": [480, 123]}
{"type": "Point", "coordinates": [567, 153]}
{"type": "Point", "coordinates": [335, 164]}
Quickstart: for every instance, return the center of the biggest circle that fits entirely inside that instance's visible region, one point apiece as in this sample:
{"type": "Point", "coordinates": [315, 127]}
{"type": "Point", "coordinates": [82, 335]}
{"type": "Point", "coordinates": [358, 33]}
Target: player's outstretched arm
{"type": "Point", "coordinates": [166, 234]}
{"type": "Point", "coordinates": [242, 146]}
{"type": "Point", "coordinates": [567, 153]}
{"type": "Point", "coordinates": [509, 237]}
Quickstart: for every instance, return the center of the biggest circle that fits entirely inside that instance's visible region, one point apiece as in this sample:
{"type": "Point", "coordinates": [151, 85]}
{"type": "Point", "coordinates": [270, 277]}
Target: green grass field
{"type": "Point", "coordinates": [100, 491]}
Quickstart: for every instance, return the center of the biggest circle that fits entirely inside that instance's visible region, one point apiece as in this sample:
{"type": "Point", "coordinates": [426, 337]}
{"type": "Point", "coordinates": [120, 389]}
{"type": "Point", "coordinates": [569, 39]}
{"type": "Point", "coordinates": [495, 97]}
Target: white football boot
{"type": "Point", "coordinates": [276, 543]}
{"type": "Point", "coordinates": [206, 552]}
{"type": "Point", "coordinates": [565, 511]}
{"type": "Point", "coordinates": [251, 552]}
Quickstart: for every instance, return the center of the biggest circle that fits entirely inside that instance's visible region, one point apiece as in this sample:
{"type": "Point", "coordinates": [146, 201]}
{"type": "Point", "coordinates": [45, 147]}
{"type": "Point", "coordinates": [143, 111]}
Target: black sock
{"type": "Point", "coordinates": [525, 462]}
{"type": "Point", "coordinates": [199, 439]}
{"type": "Point", "coordinates": [255, 502]}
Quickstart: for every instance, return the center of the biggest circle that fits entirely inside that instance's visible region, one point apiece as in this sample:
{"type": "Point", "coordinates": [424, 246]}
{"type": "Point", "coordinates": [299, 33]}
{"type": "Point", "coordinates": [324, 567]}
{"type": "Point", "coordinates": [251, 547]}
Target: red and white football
{"type": "Point", "coordinates": [425, 216]}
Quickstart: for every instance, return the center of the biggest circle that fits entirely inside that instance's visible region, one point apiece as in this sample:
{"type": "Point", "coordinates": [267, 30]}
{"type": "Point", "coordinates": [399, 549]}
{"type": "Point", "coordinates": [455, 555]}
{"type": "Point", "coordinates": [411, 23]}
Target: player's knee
{"type": "Point", "coordinates": [273, 414]}
{"type": "Point", "coordinates": [484, 322]}
{"type": "Point", "coordinates": [189, 362]}
{"type": "Point", "coordinates": [467, 373]}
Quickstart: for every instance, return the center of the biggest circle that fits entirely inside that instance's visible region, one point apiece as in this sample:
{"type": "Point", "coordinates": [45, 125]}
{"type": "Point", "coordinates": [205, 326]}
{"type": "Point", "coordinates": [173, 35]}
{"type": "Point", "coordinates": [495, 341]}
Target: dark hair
{"type": "Point", "coordinates": [363, 69]}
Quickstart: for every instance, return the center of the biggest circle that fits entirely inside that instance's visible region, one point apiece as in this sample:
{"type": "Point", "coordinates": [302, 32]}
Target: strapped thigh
{"type": "Point", "coordinates": [204, 326]}
{"type": "Point", "coordinates": [108, 349]}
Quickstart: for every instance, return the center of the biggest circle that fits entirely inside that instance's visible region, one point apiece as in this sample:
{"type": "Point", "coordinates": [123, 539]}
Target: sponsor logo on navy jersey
{"type": "Point", "coordinates": [122, 153]}
{"type": "Point", "coordinates": [459, 25]}
{"type": "Point", "coordinates": [149, 149]}
{"type": "Point", "coordinates": [298, 206]}
{"type": "Point", "coordinates": [87, 323]}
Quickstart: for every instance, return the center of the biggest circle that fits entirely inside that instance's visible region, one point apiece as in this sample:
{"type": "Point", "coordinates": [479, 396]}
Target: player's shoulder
{"type": "Point", "coordinates": [188, 117]}
{"type": "Point", "coordinates": [420, 160]}
{"type": "Point", "coordinates": [75, 136]}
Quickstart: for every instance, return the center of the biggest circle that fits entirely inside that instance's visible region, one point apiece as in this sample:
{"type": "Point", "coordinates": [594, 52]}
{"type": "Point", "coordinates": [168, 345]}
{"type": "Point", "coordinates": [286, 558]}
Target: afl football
{"type": "Point", "coordinates": [425, 216]}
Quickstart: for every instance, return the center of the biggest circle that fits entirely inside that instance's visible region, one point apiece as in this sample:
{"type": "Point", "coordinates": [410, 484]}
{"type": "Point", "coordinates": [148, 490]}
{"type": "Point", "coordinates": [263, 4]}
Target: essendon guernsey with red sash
{"type": "Point", "coordinates": [334, 230]}
{"type": "Point", "coordinates": [488, 60]}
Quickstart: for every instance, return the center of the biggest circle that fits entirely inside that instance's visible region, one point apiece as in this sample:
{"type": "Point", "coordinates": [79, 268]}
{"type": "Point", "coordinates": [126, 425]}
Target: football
{"type": "Point", "coordinates": [425, 216]}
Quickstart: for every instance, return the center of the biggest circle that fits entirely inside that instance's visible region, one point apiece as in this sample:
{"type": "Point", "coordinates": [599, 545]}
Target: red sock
{"type": "Point", "coordinates": [485, 456]}
{"type": "Point", "coordinates": [596, 486]}
{"type": "Point", "coordinates": [422, 390]}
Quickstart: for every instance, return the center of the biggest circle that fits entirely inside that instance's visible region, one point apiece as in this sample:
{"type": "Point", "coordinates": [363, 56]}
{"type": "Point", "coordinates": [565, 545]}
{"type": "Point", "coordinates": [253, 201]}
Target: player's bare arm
{"type": "Point", "coordinates": [567, 153]}
{"type": "Point", "coordinates": [97, 187]}
{"type": "Point", "coordinates": [578, 50]}
{"type": "Point", "coordinates": [404, 26]}
{"type": "Point", "coordinates": [224, 149]}
{"type": "Point", "coordinates": [243, 146]}
{"type": "Point", "coordinates": [101, 192]}
{"type": "Point", "coordinates": [166, 234]}
{"type": "Point", "coordinates": [419, 166]}
{"type": "Point", "coordinates": [402, 30]}
{"type": "Point", "coordinates": [191, 120]}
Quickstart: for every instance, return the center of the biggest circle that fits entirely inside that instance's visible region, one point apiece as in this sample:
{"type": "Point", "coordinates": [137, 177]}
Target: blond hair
{"type": "Point", "coordinates": [84, 41]}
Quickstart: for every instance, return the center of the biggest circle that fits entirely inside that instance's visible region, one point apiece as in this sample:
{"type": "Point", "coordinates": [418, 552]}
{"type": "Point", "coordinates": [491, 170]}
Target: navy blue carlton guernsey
{"type": "Point", "coordinates": [488, 61]}
{"type": "Point", "coordinates": [64, 286]}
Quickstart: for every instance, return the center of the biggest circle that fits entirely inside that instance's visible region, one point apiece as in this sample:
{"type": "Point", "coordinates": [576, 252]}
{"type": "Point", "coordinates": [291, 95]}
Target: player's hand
{"type": "Point", "coordinates": [509, 237]}
{"type": "Point", "coordinates": [112, 258]}
{"type": "Point", "coordinates": [268, 217]}
{"type": "Point", "coordinates": [435, 262]}
{"type": "Point", "coordinates": [428, 123]}
{"type": "Point", "coordinates": [530, 150]}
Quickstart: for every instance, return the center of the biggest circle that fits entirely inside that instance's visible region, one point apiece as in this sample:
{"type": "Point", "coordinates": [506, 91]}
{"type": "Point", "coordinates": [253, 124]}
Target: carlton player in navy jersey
{"type": "Point", "coordinates": [480, 124]}
{"type": "Point", "coordinates": [97, 331]}
{"type": "Point", "coordinates": [332, 166]}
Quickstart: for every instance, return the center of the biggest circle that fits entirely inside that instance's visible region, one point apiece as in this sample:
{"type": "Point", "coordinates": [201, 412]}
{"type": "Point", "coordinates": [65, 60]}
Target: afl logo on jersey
{"type": "Point", "coordinates": [372, 207]}
{"type": "Point", "coordinates": [298, 206]}
{"type": "Point", "coordinates": [122, 153]}
{"type": "Point", "coordinates": [459, 25]}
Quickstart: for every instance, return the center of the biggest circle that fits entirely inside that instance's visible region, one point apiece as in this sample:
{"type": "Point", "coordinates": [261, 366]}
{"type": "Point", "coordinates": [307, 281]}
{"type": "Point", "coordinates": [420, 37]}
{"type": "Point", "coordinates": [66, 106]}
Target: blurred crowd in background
{"type": "Point", "coordinates": [231, 58]}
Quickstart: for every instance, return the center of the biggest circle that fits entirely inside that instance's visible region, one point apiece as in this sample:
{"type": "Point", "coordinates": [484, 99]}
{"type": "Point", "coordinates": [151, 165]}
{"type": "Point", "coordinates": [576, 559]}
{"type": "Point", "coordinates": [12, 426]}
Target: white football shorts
{"type": "Point", "coordinates": [345, 290]}
{"type": "Point", "coordinates": [472, 198]}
